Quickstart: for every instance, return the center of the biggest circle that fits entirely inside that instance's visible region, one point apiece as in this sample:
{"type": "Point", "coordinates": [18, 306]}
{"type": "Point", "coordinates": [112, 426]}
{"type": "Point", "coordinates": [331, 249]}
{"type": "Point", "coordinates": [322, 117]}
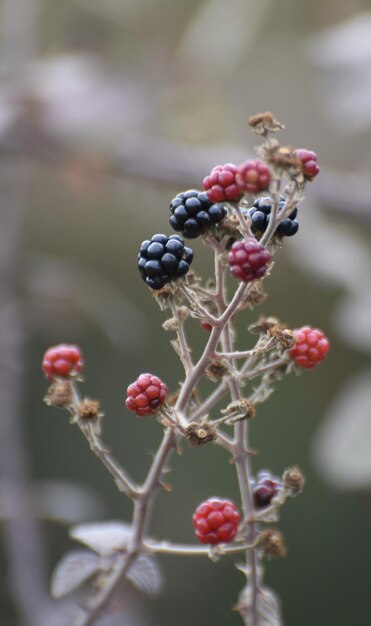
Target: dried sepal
{"type": "Point", "coordinates": [172, 324]}
{"type": "Point", "coordinates": [60, 394]}
{"type": "Point", "coordinates": [283, 335]}
{"type": "Point", "coordinates": [217, 369]}
{"type": "Point", "coordinates": [263, 324]}
{"type": "Point", "coordinates": [240, 410]}
{"type": "Point", "coordinates": [169, 295]}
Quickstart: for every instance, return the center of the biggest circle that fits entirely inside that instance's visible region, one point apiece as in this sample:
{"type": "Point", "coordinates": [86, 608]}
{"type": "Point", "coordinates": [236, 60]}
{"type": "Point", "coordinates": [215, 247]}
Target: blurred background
{"type": "Point", "coordinates": [107, 110]}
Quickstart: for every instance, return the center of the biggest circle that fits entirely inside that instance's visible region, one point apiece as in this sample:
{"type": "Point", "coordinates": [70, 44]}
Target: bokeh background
{"type": "Point", "coordinates": [107, 109]}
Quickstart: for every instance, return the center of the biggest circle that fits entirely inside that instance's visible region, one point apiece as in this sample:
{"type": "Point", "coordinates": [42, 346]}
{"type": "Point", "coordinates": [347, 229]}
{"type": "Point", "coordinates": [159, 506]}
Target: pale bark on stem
{"type": "Point", "coordinates": [240, 454]}
{"type": "Point", "coordinates": [185, 351]}
{"type": "Point", "coordinates": [123, 482]}
{"type": "Point", "coordinates": [165, 547]}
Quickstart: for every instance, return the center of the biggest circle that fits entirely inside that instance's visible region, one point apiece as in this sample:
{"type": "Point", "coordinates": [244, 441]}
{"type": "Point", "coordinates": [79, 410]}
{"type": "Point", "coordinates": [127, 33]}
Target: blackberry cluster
{"type": "Point", "coordinates": [260, 213]}
{"type": "Point", "coordinates": [163, 259]}
{"type": "Point", "coordinates": [192, 213]}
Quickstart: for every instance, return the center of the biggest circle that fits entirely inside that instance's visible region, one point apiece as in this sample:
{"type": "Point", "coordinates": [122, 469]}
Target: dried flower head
{"type": "Point", "coordinates": [264, 123]}
{"type": "Point", "coordinates": [293, 480]}
{"type": "Point", "coordinates": [283, 335]}
{"type": "Point", "coordinates": [272, 543]}
{"type": "Point", "coordinates": [284, 159]}
{"type": "Point", "coordinates": [60, 394]}
{"type": "Point", "coordinates": [89, 409]}
{"type": "Point", "coordinates": [199, 434]}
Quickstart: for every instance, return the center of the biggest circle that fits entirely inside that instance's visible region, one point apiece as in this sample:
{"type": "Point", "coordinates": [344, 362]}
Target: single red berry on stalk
{"type": "Point", "coordinates": [311, 347]}
{"type": "Point", "coordinates": [220, 185]}
{"type": "Point", "coordinates": [308, 160]}
{"type": "Point", "coordinates": [248, 260]}
{"type": "Point", "coordinates": [253, 176]}
{"type": "Point", "coordinates": [146, 395]}
{"type": "Point", "coordinates": [216, 521]}
{"type": "Point", "coordinates": [62, 361]}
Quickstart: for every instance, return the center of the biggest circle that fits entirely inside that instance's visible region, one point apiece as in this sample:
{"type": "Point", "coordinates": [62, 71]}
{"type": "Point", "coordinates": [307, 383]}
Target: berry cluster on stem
{"type": "Point", "coordinates": [244, 230]}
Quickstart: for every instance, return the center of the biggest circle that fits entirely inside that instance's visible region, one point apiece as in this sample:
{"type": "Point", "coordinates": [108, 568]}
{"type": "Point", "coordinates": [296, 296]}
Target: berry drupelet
{"type": "Point", "coordinates": [62, 361]}
{"type": "Point", "coordinates": [146, 395]}
{"type": "Point", "coordinates": [308, 160]}
{"type": "Point", "coordinates": [162, 259]}
{"type": "Point", "coordinates": [220, 185]}
{"type": "Point", "coordinates": [248, 260]}
{"type": "Point", "coordinates": [193, 213]}
{"type": "Point", "coordinates": [265, 489]}
{"type": "Point", "coordinates": [216, 521]}
{"type": "Point", "coordinates": [253, 176]}
{"type": "Point", "coordinates": [311, 347]}
{"type": "Point", "coordinates": [260, 214]}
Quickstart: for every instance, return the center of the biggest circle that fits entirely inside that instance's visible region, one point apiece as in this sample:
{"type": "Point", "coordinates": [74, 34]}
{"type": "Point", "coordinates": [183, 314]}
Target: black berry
{"type": "Point", "coordinates": [260, 214]}
{"type": "Point", "coordinates": [163, 259]}
{"type": "Point", "coordinates": [192, 213]}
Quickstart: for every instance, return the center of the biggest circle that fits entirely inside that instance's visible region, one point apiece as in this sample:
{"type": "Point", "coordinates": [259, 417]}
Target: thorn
{"type": "Point", "coordinates": [166, 486]}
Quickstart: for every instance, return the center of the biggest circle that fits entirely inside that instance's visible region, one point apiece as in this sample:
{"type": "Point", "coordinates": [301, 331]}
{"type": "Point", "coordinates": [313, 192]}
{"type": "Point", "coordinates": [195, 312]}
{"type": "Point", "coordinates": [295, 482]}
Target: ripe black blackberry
{"type": "Point", "coordinates": [192, 213]}
{"type": "Point", "coordinates": [260, 213]}
{"type": "Point", "coordinates": [163, 259]}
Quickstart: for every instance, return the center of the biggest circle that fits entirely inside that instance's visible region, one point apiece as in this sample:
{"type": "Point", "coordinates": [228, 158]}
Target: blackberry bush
{"type": "Point", "coordinates": [231, 215]}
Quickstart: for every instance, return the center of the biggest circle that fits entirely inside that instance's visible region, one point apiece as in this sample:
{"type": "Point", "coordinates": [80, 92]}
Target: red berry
{"type": "Point", "coordinates": [206, 326]}
{"type": "Point", "coordinates": [308, 160]}
{"type": "Point", "coordinates": [216, 521]}
{"type": "Point", "coordinates": [146, 395]}
{"type": "Point", "coordinates": [221, 185]}
{"type": "Point", "coordinates": [311, 347]}
{"type": "Point", "coordinates": [253, 176]}
{"type": "Point", "coordinates": [62, 361]}
{"type": "Point", "coordinates": [248, 260]}
{"type": "Point", "coordinates": [264, 492]}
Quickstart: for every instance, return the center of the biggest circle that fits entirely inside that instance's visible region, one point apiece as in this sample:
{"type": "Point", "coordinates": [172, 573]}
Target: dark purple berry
{"type": "Point", "coordinates": [192, 213]}
{"type": "Point", "coordinates": [163, 259]}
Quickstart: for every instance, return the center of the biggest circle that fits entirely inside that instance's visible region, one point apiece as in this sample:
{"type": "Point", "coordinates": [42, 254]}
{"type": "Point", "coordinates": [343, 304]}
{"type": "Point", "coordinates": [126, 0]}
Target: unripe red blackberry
{"type": "Point", "coordinates": [146, 394]}
{"type": "Point", "coordinates": [193, 213]}
{"type": "Point", "coordinates": [308, 160]}
{"type": "Point", "coordinates": [265, 489]}
{"type": "Point", "coordinates": [163, 259]}
{"type": "Point", "coordinates": [311, 347]}
{"type": "Point", "coordinates": [253, 176]}
{"type": "Point", "coordinates": [62, 361]}
{"type": "Point", "coordinates": [248, 260]}
{"type": "Point", "coordinates": [220, 185]}
{"type": "Point", "coordinates": [216, 521]}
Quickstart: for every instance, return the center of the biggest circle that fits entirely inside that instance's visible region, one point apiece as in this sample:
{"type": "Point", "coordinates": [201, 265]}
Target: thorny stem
{"type": "Point", "coordinates": [240, 453]}
{"type": "Point", "coordinates": [123, 482]}
{"type": "Point", "coordinates": [185, 351]}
